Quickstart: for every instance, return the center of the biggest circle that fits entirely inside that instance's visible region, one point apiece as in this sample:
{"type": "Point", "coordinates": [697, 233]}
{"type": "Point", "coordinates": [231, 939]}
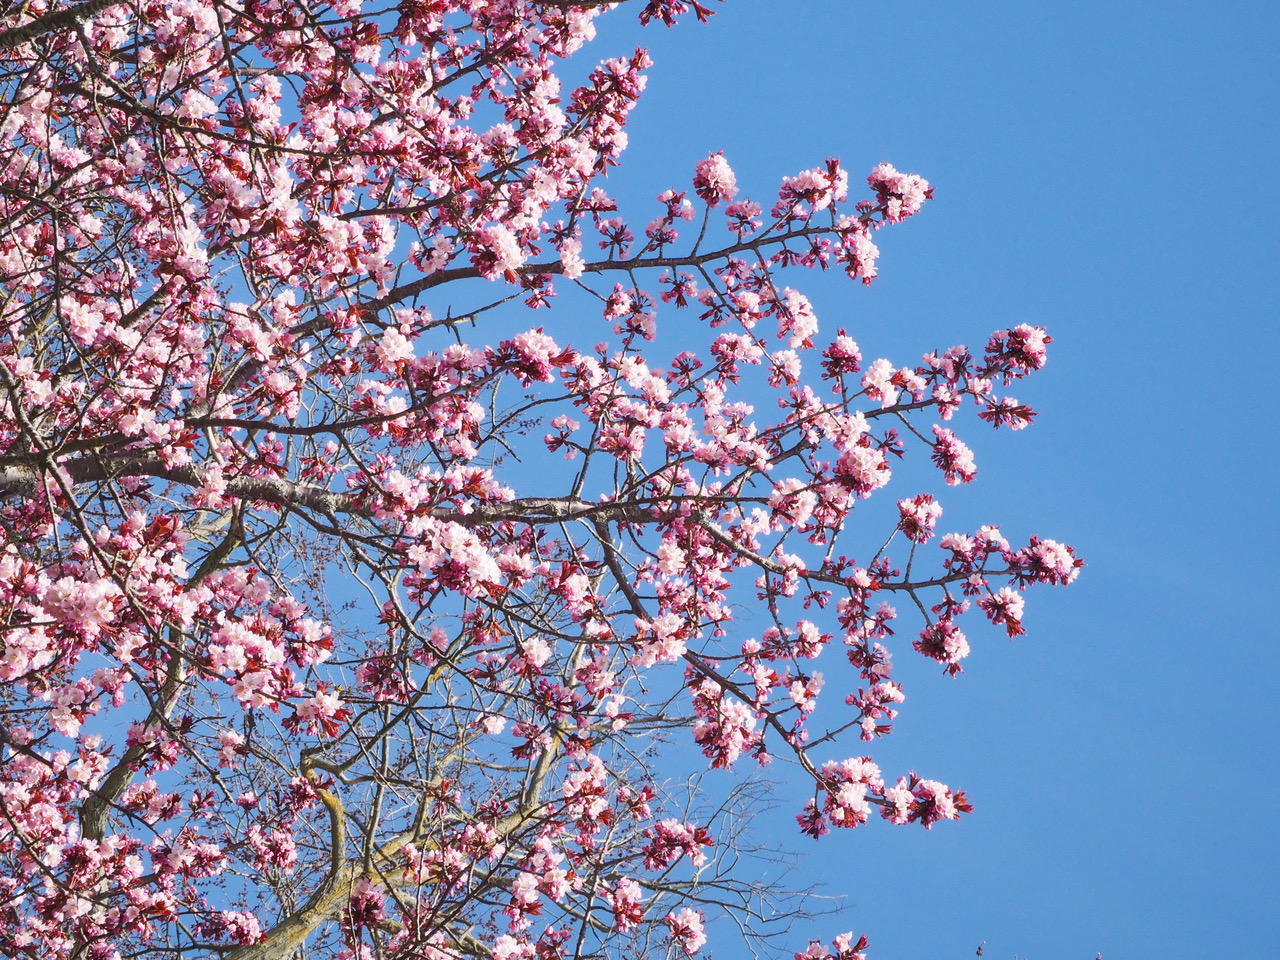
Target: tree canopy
{"type": "Point", "coordinates": [355, 591]}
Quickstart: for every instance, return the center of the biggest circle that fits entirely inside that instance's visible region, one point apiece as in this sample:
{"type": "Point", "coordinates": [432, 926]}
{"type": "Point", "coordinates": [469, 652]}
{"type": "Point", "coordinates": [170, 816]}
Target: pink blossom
{"type": "Point", "coordinates": [953, 457]}
{"type": "Point", "coordinates": [1048, 561]}
{"type": "Point", "coordinates": [232, 747]}
{"type": "Point", "coordinates": [742, 217]}
{"type": "Point", "coordinates": [323, 713]}
{"type": "Point", "coordinates": [914, 800]}
{"type": "Point", "coordinates": [234, 926]}
{"type": "Point", "coordinates": [392, 350]}
{"type": "Point", "coordinates": [1024, 348]}
{"type": "Point", "coordinates": [944, 642]}
{"type": "Point", "coordinates": [919, 516]}
{"type": "Point", "coordinates": [819, 188]}
{"type": "Point", "coordinates": [842, 356]}
{"type": "Point", "coordinates": [714, 181]}
{"type": "Point", "coordinates": [624, 899]}
{"type": "Point", "coordinates": [670, 839]}
{"type": "Point", "coordinates": [1004, 607]}
{"type": "Point", "coordinates": [272, 849]}
{"type": "Point", "coordinates": [687, 929]}
{"type": "Point", "coordinates": [497, 252]}
{"type": "Point", "coordinates": [878, 382]}
{"type": "Point", "coordinates": [82, 606]}
{"type": "Point", "coordinates": [796, 320]}
{"type": "Point", "coordinates": [901, 194]}
{"type": "Point", "coordinates": [507, 947]}
{"type": "Point", "coordinates": [571, 260]}
{"type": "Point", "coordinates": [863, 468]}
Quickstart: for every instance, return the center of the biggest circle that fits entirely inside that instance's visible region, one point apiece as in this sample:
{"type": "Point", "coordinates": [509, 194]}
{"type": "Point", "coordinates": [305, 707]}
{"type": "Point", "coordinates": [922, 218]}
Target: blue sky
{"type": "Point", "coordinates": [1107, 170]}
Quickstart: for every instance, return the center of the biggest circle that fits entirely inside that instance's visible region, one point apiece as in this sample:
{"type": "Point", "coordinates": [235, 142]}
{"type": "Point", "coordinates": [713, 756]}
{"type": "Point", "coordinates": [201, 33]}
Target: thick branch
{"type": "Point", "coordinates": [50, 22]}
{"type": "Point", "coordinates": [24, 481]}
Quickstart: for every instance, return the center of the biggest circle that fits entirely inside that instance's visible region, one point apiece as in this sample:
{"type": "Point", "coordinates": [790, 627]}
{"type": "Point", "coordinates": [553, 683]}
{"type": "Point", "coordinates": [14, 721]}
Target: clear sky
{"type": "Point", "coordinates": [1108, 170]}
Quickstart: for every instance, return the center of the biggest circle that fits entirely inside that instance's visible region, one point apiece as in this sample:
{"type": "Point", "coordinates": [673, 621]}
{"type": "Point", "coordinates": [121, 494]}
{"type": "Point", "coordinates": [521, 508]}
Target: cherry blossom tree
{"type": "Point", "coordinates": [352, 609]}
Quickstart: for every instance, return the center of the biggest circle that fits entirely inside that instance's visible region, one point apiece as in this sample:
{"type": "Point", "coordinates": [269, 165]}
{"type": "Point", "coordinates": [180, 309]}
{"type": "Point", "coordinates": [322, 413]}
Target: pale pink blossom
{"type": "Point", "coordinates": [687, 929]}
{"type": "Point", "coordinates": [497, 252]}
{"type": "Point", "coordinates": [714, 181]}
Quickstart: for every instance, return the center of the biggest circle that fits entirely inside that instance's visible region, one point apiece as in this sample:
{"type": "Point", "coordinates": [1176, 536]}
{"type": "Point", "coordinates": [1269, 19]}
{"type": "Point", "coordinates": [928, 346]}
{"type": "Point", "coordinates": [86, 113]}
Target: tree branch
{"type": "Point", "coordinates": [50, 22]}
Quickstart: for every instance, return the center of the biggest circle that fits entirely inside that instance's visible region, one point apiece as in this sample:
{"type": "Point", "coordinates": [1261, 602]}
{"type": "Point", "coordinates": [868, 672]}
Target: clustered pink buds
{"type": "Point", "coordinates": [714, 181]}
{"type": "Point", "coordinates": [902, 194]}
{"type": "Point", "coordinates": [687, 929]}
{"type": "Point", "coordinates": [919, 516]}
